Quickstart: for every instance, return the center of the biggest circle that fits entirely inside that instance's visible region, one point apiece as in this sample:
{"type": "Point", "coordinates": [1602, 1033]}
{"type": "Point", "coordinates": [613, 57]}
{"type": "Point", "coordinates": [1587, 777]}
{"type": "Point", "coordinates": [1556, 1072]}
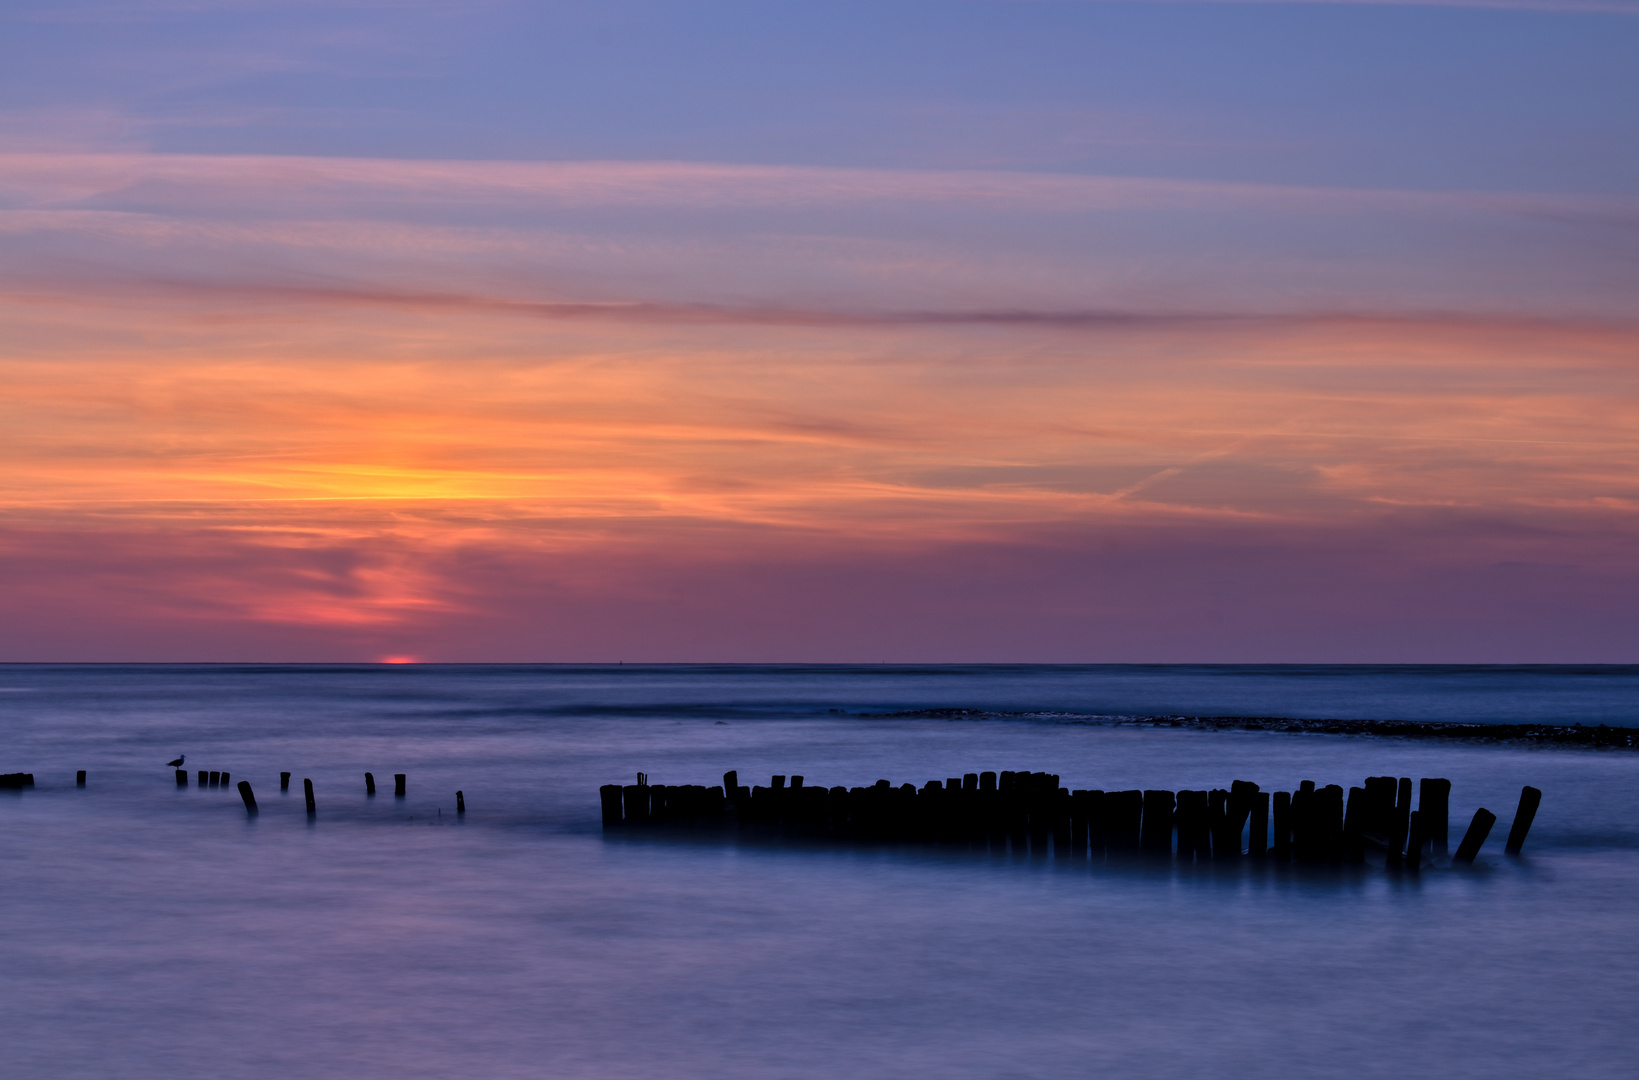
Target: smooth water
{"type": "Point", "coordinates": [150, 931]}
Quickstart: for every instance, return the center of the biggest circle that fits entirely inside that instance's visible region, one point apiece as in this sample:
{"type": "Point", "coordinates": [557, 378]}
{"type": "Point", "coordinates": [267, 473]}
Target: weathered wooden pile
{"type": "Point", "coordinates": [1028, 812]}
{"type": "Point", "coordinates": [211, 778]}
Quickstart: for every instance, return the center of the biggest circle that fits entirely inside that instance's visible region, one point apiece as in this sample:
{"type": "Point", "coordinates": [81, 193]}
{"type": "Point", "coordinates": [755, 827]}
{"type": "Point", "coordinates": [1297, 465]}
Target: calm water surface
{"type": "Point", "coordinates": [147, 931]}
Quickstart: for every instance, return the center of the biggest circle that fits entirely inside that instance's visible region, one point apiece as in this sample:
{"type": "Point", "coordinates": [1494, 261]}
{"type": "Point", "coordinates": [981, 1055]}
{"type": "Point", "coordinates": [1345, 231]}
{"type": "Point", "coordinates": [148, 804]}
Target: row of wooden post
{"type": "Point", "coordinates": [1030, 811]}
{"type": "Point", "coordinates": [214, 779]}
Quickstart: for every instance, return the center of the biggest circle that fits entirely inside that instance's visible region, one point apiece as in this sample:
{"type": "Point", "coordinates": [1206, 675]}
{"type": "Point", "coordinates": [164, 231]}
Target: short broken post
{"type": "Point", "coordinates": [79, 778]}
{"type": "Point", "coordinates": [312, 808]}
{"type": "Point", "coordinates": [1478, 830]}
{"type": "Point", "coordinates": [398, 785]}
{"type": "Point", "coordinates": [1529, 799]}
{"type": "Point", "coordinates": [460, 803]}
{"type": "Point", "coordinates": [369, 783]}
{"type": "Point", "coordinates": [182, 778]}
{"type": "Point", "coordinates": [284, 781]}
{"type": "Point", "coordinates": [250, 799]}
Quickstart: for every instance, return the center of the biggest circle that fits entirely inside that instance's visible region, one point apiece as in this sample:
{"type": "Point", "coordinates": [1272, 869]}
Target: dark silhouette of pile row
{"type": "Point", "coordinates": [16, 780]}
{"type": "Point", "coordinates": [1030, 812]}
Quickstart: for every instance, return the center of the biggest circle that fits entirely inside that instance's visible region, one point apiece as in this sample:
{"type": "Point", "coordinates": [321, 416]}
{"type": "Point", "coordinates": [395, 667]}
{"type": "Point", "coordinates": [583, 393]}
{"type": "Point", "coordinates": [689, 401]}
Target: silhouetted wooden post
{"type": "Point", "coordinates": [1529, 799]}
{"type": "Point", "coordinates": [1242, 794]}
{"type": "Point", "coordinates": [460, 803]}
{"type": "Point", "coordinates": [1474, 838]}
{"type": "Point", "coordinates": [1401, 823]}
{"type": "Point", "coordinates": [215, 778]}
{"type": "Point", "coordinates": [369, 783]}
{"type": "Point", "coordinates": [1282, 849]}
{"type": "Point", "coordinates": [1097, 821]}
{"type": "Point", "coordinates": [1354, 811]}
{"type": "Point", "coordinates": [250, 798]}
{"type": "Point", "coordinates": [79, 778]}
{"type": "Point", "coordinates": [312, 807]}
{"type": "Point", "coordinates": [398, 785]}
{"type": "Point", "coordinates": [1377, 810]}
{"type": "Point", "coordinates": [610, 795]}
{"type": "Point", "coordinates": [204, 778]}
{"type": "Point", "coordinates": [1257, 831]}
{"type": "Point", "coordinates": [284, 781]}
{"type": "Point", "coordinates": [637, 804]}
{"type": "Point", "coordinates": [1329, 822]}
{"type": "Point", "coordinates": [1123, 815]}
{"type": "Point", "coordinates": [1155, 832]}
{"type": "Point", "coordinates": [225, 780]}
{"type": "Point", "coordinates": [731, 785]}
{"type": "Point", "coordinates": [1217, 823]}
{"type": "Point", "coordinates": [1302, 817]}
{"type": "Point", "coordinates": [1414, 845]}
{"type": "Point", "coordinates": [1078, 821]}
{"type": "Point", "coordinates": [182, 778]}
{"type": "Point", "coordinates": [1434, 802]}
{"type": "Point", "coordinates": [1192, 817]}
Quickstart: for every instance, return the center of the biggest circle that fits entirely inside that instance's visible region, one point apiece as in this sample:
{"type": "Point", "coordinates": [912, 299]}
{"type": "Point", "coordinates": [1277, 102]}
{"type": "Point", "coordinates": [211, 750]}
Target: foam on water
{"type": "Point", "coordinates": [150, 931]}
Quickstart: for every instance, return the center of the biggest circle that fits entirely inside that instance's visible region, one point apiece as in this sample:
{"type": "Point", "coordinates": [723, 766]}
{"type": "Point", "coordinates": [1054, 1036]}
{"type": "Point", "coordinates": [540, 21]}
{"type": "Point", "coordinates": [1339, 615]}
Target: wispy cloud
{"type": "Point", "coordinates": [359, 398]}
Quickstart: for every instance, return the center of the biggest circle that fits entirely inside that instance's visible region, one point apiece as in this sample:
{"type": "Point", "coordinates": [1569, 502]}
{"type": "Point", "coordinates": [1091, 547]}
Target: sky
{"type": "Point", "coordinates": [923, 331]}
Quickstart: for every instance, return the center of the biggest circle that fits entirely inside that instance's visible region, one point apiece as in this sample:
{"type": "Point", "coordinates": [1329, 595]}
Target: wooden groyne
{"type": "Point", "coordinates": [1029, 812]}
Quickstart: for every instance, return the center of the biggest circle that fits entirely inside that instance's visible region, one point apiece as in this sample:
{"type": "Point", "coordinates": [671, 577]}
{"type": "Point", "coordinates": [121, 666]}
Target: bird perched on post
{"type": "Point", "coordinates": [177, 764]}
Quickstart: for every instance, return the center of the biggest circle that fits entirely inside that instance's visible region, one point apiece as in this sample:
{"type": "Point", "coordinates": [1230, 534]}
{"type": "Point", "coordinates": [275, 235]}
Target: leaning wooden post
{"type": "Point", "coordinates": [1478, 830]}
{"type": "Point", "coordinates": [284, 781]}
{"type": "Point", "coordinates": [312, 808]}
{"type": "Point", "coordinates": [369, 783]}
{"type": "Point", "coordinates": [250, 798]}
{"type": "Point", "coordinates": [1529, 799]}
{"type": "Point", "coordinates": [398, 785]}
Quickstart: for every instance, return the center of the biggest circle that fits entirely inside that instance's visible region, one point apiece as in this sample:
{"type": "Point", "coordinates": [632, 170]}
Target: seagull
{"type": "Point", "coordinates": [177, 764]}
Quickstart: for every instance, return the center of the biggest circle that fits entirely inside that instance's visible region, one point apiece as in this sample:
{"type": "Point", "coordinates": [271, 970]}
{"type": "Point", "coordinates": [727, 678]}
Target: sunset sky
{"type": "Point", "coordinates": [819, 331]}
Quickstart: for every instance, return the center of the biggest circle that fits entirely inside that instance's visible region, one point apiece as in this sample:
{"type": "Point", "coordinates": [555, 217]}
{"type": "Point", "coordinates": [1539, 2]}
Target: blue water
{"type": "Point", "coordinates": [150, 931]}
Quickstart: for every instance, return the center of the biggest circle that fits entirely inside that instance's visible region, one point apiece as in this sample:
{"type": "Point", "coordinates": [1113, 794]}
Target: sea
{"type": "Point", "coordinates": [148, 930]}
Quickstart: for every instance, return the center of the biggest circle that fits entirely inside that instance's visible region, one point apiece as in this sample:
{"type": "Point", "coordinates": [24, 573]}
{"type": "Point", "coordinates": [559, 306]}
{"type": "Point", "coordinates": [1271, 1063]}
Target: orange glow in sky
{"type": "Point", "coordinates": [343, 431]}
